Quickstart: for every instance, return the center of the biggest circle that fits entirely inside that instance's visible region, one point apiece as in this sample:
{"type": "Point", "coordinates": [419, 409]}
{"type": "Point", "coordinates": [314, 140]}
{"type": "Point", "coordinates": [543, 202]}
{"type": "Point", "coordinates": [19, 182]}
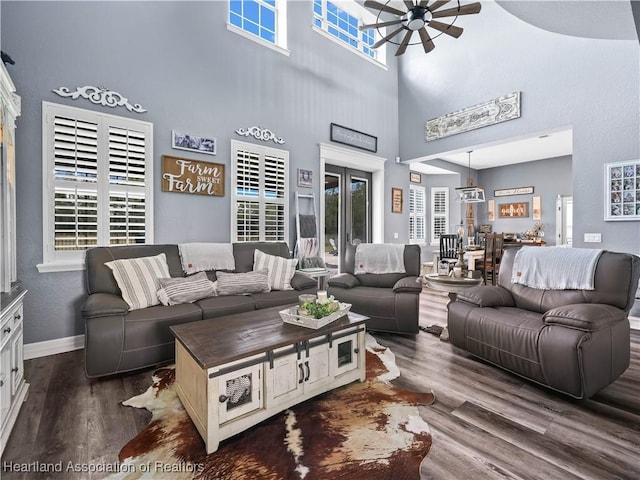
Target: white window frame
{"type": "Point", "coordinates": [435, 239]}
{"type": "Point", "coordinates": [280, 44]}
{"type": "Point", "coordinates": [364, 16]}
{"type": "Point", "coordinates": [417, 211]}
{"type": "Point", "coordinates": [68, 260]}
{"type": "Point", "coordinates": [262, 152]}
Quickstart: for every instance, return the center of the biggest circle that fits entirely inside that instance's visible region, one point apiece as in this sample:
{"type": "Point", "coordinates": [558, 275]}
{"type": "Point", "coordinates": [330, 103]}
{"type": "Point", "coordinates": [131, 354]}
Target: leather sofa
{"type": "Point", "coordinates": [572, 341]}
{"type": "Point", "coordinates": [118, 340]}
{"type": "Point", "coordinates": [390, 300]}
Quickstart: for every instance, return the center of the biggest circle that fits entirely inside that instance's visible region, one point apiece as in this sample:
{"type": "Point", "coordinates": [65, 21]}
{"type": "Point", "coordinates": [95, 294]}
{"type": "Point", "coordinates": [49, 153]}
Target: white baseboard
{"type": "Point", "coordinates": [52, 347]}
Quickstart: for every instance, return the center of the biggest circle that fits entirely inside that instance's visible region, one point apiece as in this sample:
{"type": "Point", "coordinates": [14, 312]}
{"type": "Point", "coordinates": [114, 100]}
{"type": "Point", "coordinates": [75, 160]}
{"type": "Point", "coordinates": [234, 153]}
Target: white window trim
{"type": "Point", "coordinates": [260, 150]}
{"type": "Point", "coordinates": [434, 190]}
{"type": "Point", "coordinates": [423, 240]}
{"type": "Point", "coordinates": [281, 30]}
{"type": "Point", "coordinates": [365, 17]}
{"type": "Point", "coordinates": [49, 264]}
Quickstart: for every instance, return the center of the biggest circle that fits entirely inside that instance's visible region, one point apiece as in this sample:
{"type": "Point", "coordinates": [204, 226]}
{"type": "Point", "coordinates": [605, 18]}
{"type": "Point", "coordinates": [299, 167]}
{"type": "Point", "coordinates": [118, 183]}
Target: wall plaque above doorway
{"type": "Point", "coordinates": [354, 138]}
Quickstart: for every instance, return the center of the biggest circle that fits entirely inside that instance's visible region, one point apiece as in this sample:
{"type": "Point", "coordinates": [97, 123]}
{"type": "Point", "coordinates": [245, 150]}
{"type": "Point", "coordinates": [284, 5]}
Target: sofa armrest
{"type": "Point", "coordinates": [344, 280]}
{"type": "Point", "coordinates": [409, 284]}
{"type": "Point", "coordinates": [588, 317]}
{"type": "Point", "coordinates": [487, 296]}
{"type": "Point", "coordinates": [300, 281]}
{"type": "Point", "coordinates": [104, 305]}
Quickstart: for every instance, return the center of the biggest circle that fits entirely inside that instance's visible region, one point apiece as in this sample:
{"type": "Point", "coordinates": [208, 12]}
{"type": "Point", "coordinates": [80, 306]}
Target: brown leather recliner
{"type": "Point", "coordinates": [390, 300]}
{"type": "Point", "coordinates": [573, 341]}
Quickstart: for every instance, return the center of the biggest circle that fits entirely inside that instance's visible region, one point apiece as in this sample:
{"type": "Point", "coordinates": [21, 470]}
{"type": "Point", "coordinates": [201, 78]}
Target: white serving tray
{"type": "Point", "coordinates": [290, 315]}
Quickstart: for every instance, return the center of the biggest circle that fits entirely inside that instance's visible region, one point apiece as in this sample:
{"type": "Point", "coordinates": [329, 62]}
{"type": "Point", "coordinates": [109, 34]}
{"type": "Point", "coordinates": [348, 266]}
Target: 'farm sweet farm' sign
{"type": "Point", "coordinates": [182, 175]}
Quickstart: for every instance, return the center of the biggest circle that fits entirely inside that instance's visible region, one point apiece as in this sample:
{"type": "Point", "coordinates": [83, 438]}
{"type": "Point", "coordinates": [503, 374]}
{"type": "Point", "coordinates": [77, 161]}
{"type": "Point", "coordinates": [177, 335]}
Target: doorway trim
{"type": "Point", "coordinates": [348, 158]}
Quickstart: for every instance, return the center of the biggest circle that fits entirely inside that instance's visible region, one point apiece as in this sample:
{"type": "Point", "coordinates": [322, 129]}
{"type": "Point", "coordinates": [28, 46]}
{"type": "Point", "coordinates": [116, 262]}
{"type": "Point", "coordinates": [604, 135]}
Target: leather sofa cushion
{"type": "Point", "coordinates": [150, 326]}
{"type": "Point", "coordinates": [104, 305]}
{"type": "Point", "coordinates": [300, 281]}
{"type": "Point", "coordinates": [225, 305]}
{"type": "Point", "coordinates": [243, 253]}
{"type": "Point", "coordinates": [487, 296]}
{"type": "Point", "coordinates": [588, 317]}
{"type": "Point", "coordinates": [369, 301]}
{"type": "Point", "coordinates": [344, 280]}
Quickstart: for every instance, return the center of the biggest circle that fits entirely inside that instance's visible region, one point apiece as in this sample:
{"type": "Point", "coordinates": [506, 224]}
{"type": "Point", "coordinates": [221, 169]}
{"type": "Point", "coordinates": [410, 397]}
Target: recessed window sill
{"type": "Point", "coordinates": [351, 49]}
{"type": "Point", "coordinates": [261, 41]}
{"type": "Point", "coordinates": [69, 266]}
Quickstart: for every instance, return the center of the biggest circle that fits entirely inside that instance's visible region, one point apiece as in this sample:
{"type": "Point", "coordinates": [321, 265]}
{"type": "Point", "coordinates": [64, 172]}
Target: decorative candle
{"type": "Point", "coordinates": [322, 296]}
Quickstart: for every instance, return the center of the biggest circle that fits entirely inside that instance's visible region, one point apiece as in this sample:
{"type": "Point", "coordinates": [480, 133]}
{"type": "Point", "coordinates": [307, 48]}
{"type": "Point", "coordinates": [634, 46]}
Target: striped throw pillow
{"type": "Point", "coordinates": [174, 291]}
{"type": "Point", "coordinates": [138, 279]}
{"type": "Point", "coordinates": [281, 270]}
{"type": "Point", "coordinates": [242, 283]}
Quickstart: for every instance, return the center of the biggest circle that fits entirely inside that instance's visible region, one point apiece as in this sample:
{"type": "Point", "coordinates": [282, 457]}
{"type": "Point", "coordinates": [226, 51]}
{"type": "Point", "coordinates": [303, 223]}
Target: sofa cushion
{"type": "Point", "coordinates": [588, 317]}
{"type": "Point", "coordinates": [242, 283]}
{"type": "Point", "coordinates": [301, 281]}
{"type": "Point", "coordinates": [344, 280]}
{"type": "Point", "coordinates": [138, 279]}
{"type": "Point", "coordinates": [280, 270]}
{"type": "Point", "coordinates": [226, 305]}
{"type": "Point", "coordinates": [174, 291]}
{"type": "Point", "coordinates": [487, 296]}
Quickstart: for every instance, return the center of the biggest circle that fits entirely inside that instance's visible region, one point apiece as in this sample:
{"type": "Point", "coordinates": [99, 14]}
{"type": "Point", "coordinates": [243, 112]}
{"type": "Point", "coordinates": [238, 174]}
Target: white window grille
{"type": "Point", "coordinates": [439, 213]}
{"type": "Point", "coordinates": [97, 183]}
{"type": "Point", "coordinates": [260, 193]}
{"type": "Point", "coordinates": [417, 214]}
{"type": "Point", "coordinates": [264, 21]}
{"type": "Point", "coordinates": [340, 19]}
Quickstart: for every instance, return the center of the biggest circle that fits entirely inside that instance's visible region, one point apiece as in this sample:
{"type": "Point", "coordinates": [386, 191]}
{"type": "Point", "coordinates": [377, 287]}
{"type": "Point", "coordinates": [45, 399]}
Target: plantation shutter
{"type": "Point", "coordinates": [439, 212]}
{"type": "Point", "coordinates": [416, 214]}
{"type": "Point", "coordinates": [260, 193]}
{"type": "Point", "coordinates": [97, 173]}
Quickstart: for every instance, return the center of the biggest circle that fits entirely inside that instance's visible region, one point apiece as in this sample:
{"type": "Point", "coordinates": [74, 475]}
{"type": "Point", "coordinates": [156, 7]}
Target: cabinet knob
{"type": "Point", "coordinates": [17, 316]}
{"type": "Point", "coordinates": [356, 350]}
{"type": "Point", "coordinates": [14, 369]}
{"type": "Point", "coordinates": [7, 330]}
{"type": "Point", "coordinates": [223, 398]}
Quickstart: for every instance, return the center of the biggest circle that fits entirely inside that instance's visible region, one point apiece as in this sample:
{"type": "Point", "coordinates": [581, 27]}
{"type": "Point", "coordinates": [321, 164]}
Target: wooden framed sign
{"type": "Point", "coordinates": [396, 200]}
{"type": "Point", "coordinates": [513, 210]}
{"type": "Point", "coordinates": [182, 175]}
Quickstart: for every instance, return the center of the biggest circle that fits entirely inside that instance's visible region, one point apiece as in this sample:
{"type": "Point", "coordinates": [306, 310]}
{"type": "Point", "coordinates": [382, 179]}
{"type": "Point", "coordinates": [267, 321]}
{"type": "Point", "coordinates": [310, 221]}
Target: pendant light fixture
{"type": "Point", "coordinates": [470, 194]}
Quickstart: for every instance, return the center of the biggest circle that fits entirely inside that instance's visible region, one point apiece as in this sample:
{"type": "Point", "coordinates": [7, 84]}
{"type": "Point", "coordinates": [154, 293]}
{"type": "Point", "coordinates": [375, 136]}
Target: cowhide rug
{"type": "Point", "coordinates": [370, 430]}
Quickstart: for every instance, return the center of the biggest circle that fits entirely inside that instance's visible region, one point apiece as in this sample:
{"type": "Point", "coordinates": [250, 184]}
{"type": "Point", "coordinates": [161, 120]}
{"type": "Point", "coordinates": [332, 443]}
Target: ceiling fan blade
{"type": "Point", "coordinates": [387, 38]}
{"type": "Point", "coordinates": [383, 7]}
{"type": "Point", "coordinates": [423, 3]}
{"type": "Point", "coordinates": [436, 5]}
{"type": "Point", "coordinates": [378, 25]}
{"type": "Point", "coordinates": [409, 4]}
{"type": "Point", "coordinates": [405, 41]}
{"type": "Point", "coordinates": [427, 43]}
{"type": "Point", "coordinates": [450, 30]}
{"type": "Point", "coordinates": [464, 10]}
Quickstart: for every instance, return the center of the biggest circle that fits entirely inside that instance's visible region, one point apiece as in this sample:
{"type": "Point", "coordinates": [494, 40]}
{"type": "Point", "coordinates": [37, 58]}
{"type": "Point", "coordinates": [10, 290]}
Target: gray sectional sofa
{"type": "Point", "coordinates": [118, 340]}
{"type": "Point", "coordinates": [573, 341]}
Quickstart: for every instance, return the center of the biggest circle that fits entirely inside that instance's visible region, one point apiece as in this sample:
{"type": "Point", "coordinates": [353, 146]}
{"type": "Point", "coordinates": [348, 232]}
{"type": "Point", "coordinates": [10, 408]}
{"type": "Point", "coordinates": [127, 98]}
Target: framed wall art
{"type": "Point", "coordinates": [305, 178]}
{"type": "Point", "coordinates": [415, 177]}
{"type": "Point", "coordinates": [396, 200]}
{"type": "Point", "coordinates": [622, 191]}
{"type": "Point", "coordinates": [193, 143]}
{"type": "Point", "coordinates": [184, 175]}
{"type": "Point", "coordinates": [353, 138]}
{"type": "Point", "coordinates": [513, 210]}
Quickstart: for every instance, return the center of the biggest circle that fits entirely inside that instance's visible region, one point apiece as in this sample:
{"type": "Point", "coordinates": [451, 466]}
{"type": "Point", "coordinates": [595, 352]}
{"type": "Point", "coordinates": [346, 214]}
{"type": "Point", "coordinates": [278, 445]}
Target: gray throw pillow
{"type": "Point", "coordinates": [174, 291]}
{"type": "Point", "coordinates": [243, 283]}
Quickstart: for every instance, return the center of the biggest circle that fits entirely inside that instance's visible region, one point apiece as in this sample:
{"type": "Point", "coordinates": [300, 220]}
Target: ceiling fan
{"type": "Point", "coordinates": [419, 15]}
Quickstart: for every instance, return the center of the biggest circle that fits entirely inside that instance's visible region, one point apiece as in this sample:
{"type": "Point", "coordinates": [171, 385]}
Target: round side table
{"type": "Point", "coordinates": [451, 285]}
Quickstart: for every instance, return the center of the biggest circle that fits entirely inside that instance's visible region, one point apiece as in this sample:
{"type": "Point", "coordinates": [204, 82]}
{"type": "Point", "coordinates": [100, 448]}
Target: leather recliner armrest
{"type": "Point", "coordinates": [410, 284]}
{"type": "Point", "coordinates": [300, 281]}
{"type": "Point", "coordinates": [588, 317]}
{"type": "Point", "coordinates": [104, 305]}
{"type": "Point", "coordinates": [344, 280]}
{"type": "Point", "coordinates": [487, 296]}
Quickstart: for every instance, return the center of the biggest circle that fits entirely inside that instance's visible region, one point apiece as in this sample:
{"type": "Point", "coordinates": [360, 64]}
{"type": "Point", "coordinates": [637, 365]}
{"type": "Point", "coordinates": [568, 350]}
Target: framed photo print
{"type": "Point", "coordinates": [622, 191]}
{"type": "Point", "coordinates": [193, 143]}
{"type": "Point", "coordinates": [305, 178]}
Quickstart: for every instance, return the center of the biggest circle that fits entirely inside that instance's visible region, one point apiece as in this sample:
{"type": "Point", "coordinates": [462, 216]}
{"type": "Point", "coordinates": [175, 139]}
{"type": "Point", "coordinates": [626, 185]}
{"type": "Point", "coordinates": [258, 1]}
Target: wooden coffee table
{"type": "Point", "coordinates": [235, 371]}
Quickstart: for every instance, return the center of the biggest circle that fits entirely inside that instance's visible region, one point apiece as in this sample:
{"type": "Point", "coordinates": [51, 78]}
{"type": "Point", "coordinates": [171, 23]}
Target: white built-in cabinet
{"type": "Point", "coordinates": [13, 388]}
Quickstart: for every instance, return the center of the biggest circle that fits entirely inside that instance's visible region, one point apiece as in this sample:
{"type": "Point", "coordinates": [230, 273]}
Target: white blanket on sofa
{"type": "Point", "coordinates": [379, 258]}
{"type": "Point", "coordinates": [199, 257]}
{"type": "Point", "coordinates": [556, 268]}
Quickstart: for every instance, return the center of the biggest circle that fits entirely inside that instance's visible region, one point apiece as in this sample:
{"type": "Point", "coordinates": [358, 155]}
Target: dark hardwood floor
{"type": "Point", "coordinates": [486, 423]}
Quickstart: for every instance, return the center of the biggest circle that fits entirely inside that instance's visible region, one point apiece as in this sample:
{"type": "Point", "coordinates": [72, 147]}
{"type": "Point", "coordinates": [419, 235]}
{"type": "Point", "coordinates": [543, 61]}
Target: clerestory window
{"type": "Point", "coordinates": [264, 21]}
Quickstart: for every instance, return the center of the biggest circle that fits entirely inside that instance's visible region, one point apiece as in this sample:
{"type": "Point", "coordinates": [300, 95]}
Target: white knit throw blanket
{"type": "Point", "coordinates": [199, 257]}
{"type": "Point", "coordinates": [556, 268]}
{"type": "Point", "coordinates": [379, 258]}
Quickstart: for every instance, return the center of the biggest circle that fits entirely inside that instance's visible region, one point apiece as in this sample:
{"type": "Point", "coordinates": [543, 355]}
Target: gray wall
{"type": "Point", "coordinates": [179, 61]}
{"type": "Point", "coordinates": [550, 178]}
{"type": "Point", "coordinates": [591, 85]}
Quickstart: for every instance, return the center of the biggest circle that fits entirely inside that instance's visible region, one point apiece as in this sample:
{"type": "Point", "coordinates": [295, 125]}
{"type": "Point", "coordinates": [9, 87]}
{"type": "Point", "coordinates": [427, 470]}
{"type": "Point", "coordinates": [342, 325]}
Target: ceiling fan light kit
{"type": "Point", "coordinates": [419, 15]}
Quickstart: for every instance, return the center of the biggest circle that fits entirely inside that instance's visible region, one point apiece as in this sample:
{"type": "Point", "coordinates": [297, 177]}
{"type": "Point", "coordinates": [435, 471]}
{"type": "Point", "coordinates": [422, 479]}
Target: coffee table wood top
{"type": "Point", "coordinates": [229, 338]}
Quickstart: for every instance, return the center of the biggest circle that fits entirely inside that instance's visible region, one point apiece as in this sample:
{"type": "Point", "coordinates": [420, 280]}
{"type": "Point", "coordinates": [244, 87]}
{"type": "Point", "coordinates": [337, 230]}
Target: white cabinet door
{"type": "Point", "coordinates": [345, 355]}
{"type": "Point", "coordinates": [17, 364]}
{"type": "Point", "coordinates": [240, 392]}
{"type": "Point", "coordinates": [316, 368]}
{"type": "Point", "coordinates": [284, 380]}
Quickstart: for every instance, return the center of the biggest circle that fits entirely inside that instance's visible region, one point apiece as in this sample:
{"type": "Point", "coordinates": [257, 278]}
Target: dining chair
{"type": "Point", "coordinates": [449, 248]}
{"type": "Point", "coordinates": [493, 249]}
